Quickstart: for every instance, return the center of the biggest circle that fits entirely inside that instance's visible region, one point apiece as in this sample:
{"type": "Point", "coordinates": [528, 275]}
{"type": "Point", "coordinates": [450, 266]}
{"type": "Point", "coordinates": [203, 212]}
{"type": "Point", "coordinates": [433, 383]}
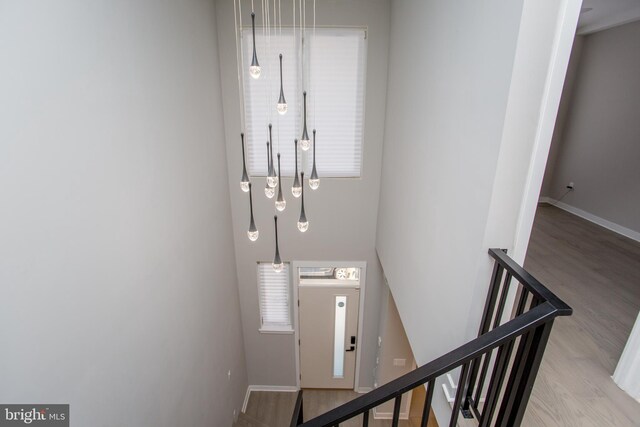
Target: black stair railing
{"type": "Point", "coordinates": [495, 382]}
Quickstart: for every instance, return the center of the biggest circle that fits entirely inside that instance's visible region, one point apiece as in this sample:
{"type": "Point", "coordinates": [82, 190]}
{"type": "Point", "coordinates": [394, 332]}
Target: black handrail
{"type": "Point", "coordinates": [530, 329]}
{"type": "Point", "coordinates": [529, 282]}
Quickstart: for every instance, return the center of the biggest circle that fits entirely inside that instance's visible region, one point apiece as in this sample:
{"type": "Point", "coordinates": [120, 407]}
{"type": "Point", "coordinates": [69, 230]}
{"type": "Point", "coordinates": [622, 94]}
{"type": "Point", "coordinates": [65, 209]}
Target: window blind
{"type": "Point", "coordinates": [334, 72]}
{"type": "Point", "coordinates": [274, 293]}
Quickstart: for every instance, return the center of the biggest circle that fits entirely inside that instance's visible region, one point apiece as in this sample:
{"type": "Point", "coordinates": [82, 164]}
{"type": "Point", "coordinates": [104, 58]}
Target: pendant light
{"type": "Point", "coordinates": [296, 189]}
{"type": "Point", "coordinates": [254, 69]}
{"type": "Point", "coordinates": [277, 262]}
{"type": "Point", "coordinates": [268, 190]}
{"type": "Point", "coordinates": [272, 178]}
{"type": "Point", "coordinates": [244, 182]}
{"type": "Point", "coordinates": [304, 141]}
{"type": "Point", "coordinates": [281, 203]}
{"type": "Point", "coordinates": [282, 103]}
{"type": "Point", "coordinates": [253, 232]}
{"type": "Point", "coordinates": [303, 224]}
{"type": "Point", "coordinates": [314, 181]}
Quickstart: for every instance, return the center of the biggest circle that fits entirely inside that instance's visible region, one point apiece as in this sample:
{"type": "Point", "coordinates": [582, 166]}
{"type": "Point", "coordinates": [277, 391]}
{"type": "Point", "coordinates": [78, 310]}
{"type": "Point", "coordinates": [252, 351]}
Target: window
{"type": "Point", "coordinates": [335, 61]}
{"type": "Point", "coordinates": [275, 297]}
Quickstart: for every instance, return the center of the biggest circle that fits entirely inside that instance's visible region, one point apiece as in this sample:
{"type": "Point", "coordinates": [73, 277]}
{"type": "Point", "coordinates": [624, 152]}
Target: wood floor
{"type": "Point", "coordinates": [597, 272]}
{"type": "Point", "coordinates": [275, 408]}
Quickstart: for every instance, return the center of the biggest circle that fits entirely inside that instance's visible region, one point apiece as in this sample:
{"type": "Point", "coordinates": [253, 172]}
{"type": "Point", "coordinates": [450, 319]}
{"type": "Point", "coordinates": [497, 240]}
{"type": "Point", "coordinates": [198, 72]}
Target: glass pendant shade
{"type": "Point", "coordinates": [254, 69]}
{"type": "Point", "coordinates": [269, 191]}
{"type": "Point", "coordinates": [282, 103]}
{"type": "Point", "coordinates": [296, 189]}
{"type": "Point", "coordinates": [314, 181]}
{"type": "Point", "coordinates": [244, 182]}
{"type": "Point", "coordinates": [277, 262]}
{"type": "Point", "coordinates": [272, 178]}
{"type": "Point", "coordinates": [305, 143]}
{"type": "Point", "coordinates": [303, 223]}
{"type": "Point", "coordinates": [253, 232]}
{"type": "Point", "coordinates": [281, 203]}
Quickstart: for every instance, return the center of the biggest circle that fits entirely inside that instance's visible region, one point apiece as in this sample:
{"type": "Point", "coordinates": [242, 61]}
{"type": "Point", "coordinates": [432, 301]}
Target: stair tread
{"type": "Point", "coordinates": [245, 420]}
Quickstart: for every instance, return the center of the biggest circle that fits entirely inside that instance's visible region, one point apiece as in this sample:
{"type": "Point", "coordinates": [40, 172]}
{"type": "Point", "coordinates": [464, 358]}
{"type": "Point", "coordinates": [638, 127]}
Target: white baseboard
{"type": "Point", "coordinates": [363, 390]}
{"type": "Point", "coordinates": [377, 415]}
{"type": "Point", "coordinates": [282, 388]}
{"type": "Point", "coordinates": [616, 228]}
{"type": "Point", "coordinates": [246, 400]}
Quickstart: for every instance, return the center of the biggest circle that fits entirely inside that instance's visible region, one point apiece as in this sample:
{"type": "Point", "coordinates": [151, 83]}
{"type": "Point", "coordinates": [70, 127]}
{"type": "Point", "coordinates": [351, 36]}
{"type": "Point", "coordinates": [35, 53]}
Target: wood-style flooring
{"type": "Point", "coordinates": [597, 272]}
{"type": "Point", "coordinates": [275, 408]}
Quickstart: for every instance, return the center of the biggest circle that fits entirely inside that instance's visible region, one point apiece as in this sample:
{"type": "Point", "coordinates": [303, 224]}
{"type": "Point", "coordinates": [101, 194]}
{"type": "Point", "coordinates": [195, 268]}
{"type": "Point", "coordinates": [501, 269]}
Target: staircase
{"type": "Point", "coordinates": [245, 420]}
{"type": "Point", "coordinates": [497, 369]}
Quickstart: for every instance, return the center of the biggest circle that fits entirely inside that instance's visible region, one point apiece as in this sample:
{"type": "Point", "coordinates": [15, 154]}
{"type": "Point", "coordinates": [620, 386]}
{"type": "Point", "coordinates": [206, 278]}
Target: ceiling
{"type": "Point", "coordinates": [599, 15]}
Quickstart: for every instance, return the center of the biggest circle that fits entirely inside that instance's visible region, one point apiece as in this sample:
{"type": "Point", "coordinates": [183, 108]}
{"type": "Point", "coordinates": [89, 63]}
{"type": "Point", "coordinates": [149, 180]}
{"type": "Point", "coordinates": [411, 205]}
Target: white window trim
{"type": "Point", "coordinates": [278, 330]}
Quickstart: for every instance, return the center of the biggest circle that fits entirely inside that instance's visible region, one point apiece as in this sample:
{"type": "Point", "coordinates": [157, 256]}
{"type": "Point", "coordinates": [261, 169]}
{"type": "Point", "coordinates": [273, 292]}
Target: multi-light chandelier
{"type": "Point", "coordinates": [273, 178]}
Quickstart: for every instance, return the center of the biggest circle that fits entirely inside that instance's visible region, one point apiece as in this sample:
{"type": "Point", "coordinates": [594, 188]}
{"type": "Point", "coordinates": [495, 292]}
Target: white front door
{"type": "Point", "coordinates": [328, 319]}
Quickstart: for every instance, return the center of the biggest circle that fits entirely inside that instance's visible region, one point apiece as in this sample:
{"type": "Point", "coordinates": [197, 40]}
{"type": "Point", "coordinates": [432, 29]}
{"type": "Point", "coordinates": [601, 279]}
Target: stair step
{"type": "Point", "coordinates": [245, 420]}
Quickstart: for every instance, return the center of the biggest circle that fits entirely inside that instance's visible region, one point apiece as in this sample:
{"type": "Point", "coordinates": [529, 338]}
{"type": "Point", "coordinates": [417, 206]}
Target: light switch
{"type": "Point", "coordinates": [399, 362]}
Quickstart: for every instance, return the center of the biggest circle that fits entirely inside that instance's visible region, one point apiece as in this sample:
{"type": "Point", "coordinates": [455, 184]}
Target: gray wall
{"type": "Point", "coordinates": [469, 100]}
{"type": "Point", "coordinates": [341, 213]}
{"type": "Point", "coordinates": [599, 148]}
{"type": "Point", "coordinates": [563, 113]}
{"type": "Point", "coordinates": [117, 272]}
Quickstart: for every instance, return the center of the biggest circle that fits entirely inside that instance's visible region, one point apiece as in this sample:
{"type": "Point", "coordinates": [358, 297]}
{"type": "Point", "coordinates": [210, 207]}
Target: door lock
{"type": "Point", "coordinates": [353, 343]}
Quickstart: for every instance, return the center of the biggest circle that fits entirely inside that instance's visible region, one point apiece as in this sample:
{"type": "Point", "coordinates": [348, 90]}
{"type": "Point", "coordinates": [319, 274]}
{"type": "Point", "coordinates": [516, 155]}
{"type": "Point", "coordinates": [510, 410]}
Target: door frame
{"type": "Point", "coordinates": [296, 319]}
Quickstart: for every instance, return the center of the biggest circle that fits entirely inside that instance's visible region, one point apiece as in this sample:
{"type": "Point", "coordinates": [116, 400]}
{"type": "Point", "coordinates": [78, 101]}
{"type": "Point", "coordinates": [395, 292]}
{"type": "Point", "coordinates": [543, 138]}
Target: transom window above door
{"type": "Point", "coordinates": [334, 78]}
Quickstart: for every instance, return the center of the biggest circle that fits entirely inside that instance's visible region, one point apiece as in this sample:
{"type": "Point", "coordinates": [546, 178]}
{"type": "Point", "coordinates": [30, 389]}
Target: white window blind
{"type": "Point", "coordinates": [274, 293]}
{"type": "Point", "coordinates": [334, 72]}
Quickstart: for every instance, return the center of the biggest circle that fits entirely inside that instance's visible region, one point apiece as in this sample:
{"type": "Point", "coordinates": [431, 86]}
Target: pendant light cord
{"type": "Point", "coordinates": [239, 61]}
{"type": "Point", "coordinates": [313, 92]}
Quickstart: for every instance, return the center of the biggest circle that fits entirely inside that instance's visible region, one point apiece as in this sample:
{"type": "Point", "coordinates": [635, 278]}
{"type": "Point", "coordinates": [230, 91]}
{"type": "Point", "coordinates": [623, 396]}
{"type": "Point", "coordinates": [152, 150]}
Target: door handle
{"type": "Point", "coordinates": [353, 343]}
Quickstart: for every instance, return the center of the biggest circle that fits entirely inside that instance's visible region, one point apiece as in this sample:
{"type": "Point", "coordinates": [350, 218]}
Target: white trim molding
{"type": "Point", "coordinates": [281, 388]}
{"type": "Point", "coordinates": [616, 228]}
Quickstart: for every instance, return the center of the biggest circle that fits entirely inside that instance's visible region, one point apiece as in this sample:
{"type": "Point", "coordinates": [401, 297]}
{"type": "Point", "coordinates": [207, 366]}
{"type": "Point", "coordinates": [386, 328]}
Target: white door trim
{"type": "Point", "coordinates": [627, 372]}
{"type": "Point", "coordinates": [556, 73]}
{"type": "Point", "coordinates": [296, 324]}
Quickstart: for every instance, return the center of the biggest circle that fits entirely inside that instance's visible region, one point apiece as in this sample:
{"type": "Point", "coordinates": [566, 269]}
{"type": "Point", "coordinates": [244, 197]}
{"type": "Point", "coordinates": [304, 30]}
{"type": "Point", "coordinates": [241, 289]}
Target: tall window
{"type": "Point", "coordinates": [334, 77]}
{"type": "Point", "coordinates": [275, 298]}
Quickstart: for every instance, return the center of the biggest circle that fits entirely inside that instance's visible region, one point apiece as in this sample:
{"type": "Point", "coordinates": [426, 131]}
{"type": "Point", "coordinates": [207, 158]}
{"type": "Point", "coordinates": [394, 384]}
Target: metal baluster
{"type": "Point", "coordinates": [489, 306]}
{"type": "Point", "coordinates": [365, 419]}
{"type": "Point", "coordinates": [495, 384]}
{"type": "Point", "coordinates": [396, 411]}
{"type": "Point", "coordinates": [459, 395]}
{"type": "Point", "coordinates": [426, 412]}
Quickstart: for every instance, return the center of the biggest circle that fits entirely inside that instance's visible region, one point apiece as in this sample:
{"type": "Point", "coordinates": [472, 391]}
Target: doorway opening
{"type": "Point", "coordinates": [328, 315]}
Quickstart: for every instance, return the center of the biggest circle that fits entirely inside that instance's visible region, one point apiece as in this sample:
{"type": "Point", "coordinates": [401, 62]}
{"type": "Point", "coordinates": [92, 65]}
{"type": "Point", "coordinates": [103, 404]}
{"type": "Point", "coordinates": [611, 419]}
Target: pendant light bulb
{"type": "Point", "coordinates": [277, 262]}
{"type": "Point", "coordinates": [269, 191]}
{"type": "Point", "coordinates": [272, 178]}
{"type": "Point", "coordinates": [303, 223]}
{"type": "Point", "coordinates": [244, 182]}
{"type": "Point", "coordinates": [282, 103]}
{"type": "Point", "coordinates": [254, 69]}
{"type": "Point", "coordinates": [314, 181]}
{"type": "Point", "coordinates": [253, 232]}
{"type": "Point", "coordinates": [305, 143]}
{"type": "Point", "coordinates": [296, 189]}
{"type": "Point", "coordinates": [281, 203]}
